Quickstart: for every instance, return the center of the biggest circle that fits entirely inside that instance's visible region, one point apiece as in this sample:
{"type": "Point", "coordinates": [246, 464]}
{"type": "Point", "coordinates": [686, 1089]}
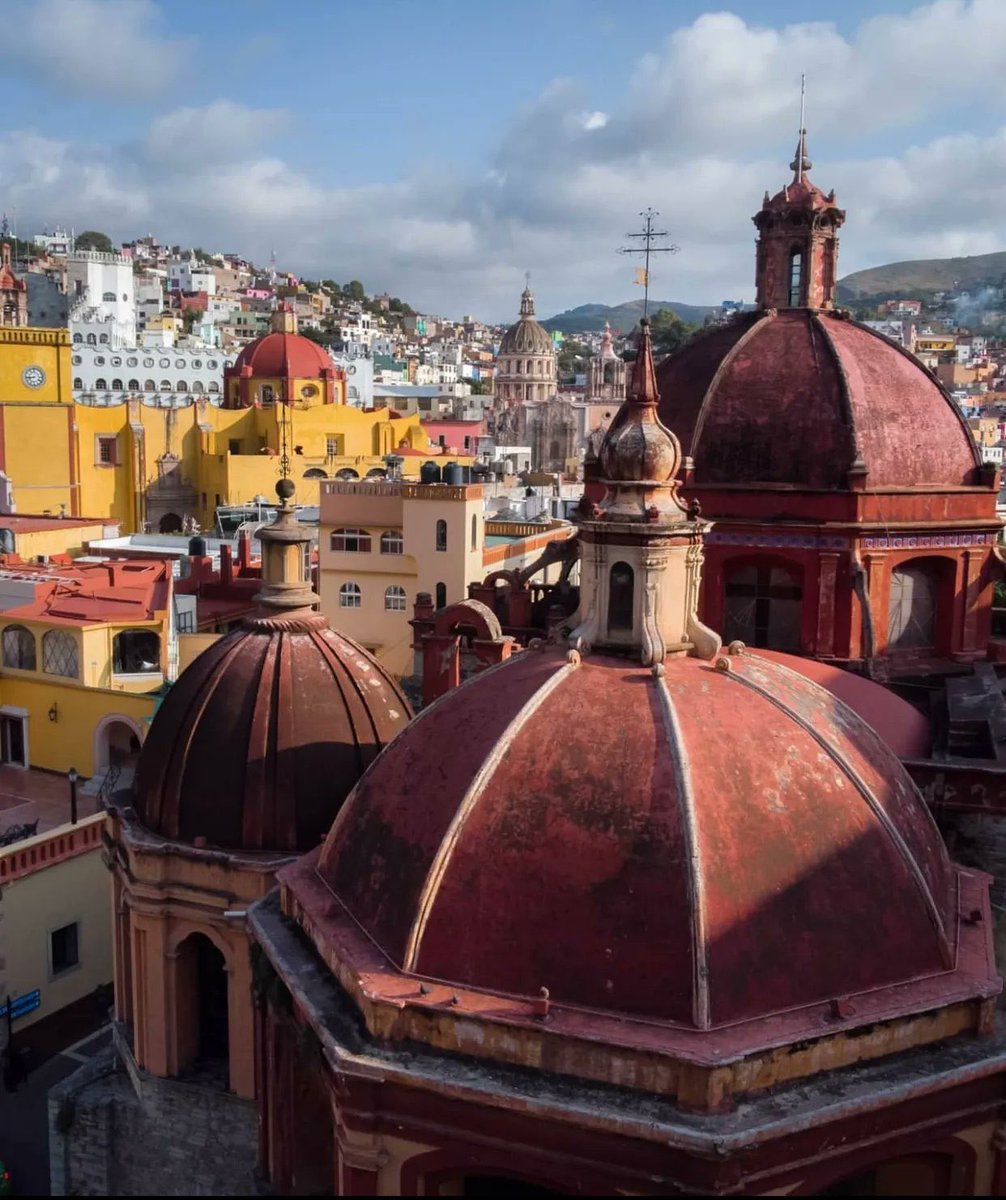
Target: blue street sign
{"type": "Point", "coordinates": [21, 1006]}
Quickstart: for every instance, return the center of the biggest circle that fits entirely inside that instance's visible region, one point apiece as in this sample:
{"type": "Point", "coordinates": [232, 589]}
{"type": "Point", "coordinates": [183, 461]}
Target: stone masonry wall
{"type": "Point", "coordinates": [173, 1139]}
{"type": "Point", "coordinates": [979, 840]}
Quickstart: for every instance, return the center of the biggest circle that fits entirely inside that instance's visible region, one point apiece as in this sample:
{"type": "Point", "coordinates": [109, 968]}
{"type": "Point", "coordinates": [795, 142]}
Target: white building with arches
{"type": "Point", "coordinates": [105, 375]}
{"type": "Point", "coordinates": [101, 295]}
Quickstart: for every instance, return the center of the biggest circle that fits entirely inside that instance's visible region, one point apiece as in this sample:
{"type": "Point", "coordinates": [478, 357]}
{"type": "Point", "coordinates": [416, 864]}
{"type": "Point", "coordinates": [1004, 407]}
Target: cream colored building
{"type": "Point", "coordinates": [55, 921]}
{"type": "Point", "coordinates": [382, 543]}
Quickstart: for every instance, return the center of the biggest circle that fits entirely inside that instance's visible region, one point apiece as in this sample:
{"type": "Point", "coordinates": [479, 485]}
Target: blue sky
{"type": "Point", "coordinates": [440, 149]}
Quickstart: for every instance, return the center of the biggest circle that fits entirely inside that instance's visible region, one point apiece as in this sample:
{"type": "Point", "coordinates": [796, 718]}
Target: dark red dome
{"type": "Point", "coordinates": [264, 735]}
{"type": "Point", "coordinates": [797, 397]}
{"type": "Point", "coordinates": [283, 356]}
{"type": "Point", "coordinates": [689, 844]}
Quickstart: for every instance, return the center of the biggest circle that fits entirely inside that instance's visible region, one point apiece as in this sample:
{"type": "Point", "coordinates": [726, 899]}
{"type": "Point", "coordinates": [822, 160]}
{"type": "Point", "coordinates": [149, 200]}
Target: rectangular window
{"type": "Point", "coordinates": [64, 948]}
{"type": "Point", "coordinates": [350, 541]}
{"type": "Point", "coordinates": [331, 446]}
{"type": "Point", "coordinates": [106, 452]}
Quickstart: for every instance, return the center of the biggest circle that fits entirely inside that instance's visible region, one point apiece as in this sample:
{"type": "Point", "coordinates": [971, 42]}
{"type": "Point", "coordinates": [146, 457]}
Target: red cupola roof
{"type": "Point", "coordinates": [264, 735]}
{"type": "Point", "coordinates": [799, 398]}
{"type": "Point", "coordinates": [283, 356]}
{"type": "Point", "coordinates": [699, 846]}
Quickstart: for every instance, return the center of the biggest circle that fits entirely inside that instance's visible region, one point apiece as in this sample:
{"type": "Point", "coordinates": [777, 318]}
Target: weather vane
{"type": "Point", "coordinates": [648, 237]}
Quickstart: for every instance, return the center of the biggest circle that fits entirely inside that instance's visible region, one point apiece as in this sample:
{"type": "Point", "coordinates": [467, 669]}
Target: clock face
{"type": "Point", "coordinates": [33, 377]}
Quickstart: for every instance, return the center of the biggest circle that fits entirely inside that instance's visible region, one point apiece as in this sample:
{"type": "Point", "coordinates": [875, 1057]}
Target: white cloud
{"type": "Point", "coordinates": [703, 128]}
{"type": "Point", "coordinates": [96, 48]}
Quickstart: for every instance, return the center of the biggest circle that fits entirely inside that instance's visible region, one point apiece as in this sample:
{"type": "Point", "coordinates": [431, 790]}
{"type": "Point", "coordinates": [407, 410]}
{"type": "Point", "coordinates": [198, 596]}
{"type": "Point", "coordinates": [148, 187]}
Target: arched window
{"type": "Point", "coordinates": [621, 585]}
{"type": "Point", "coordinates": [518, 365]}
{"type": "Point", "coordinates": [182, 386]}
{"type": "Point", "coordinates": [78, 382]}
{"type": "Point", "coordinates": [108, 297]}
{"type": "Point", "coordinates": [133, 385]}
{"type": "Point", "coordinates": [266, 394]}
{"type": "Point", "coordinates": [394, 599]}
{"type": "Point", "coordinates": [213, 387]}
{"type": "Point", "coordinates": [165, 385]}
{"type": "Point", "coordinates": [441, 595]}
{"type": "Point", "coordinates": [92, 340]}
{"type": "Point", "coordinates": [101, 385]}
{"type": "Point", "coordinates": [763, 605]}
{"type": "Point", "coordinates": [392, 542]}
{"type": "Point", "coordinates": [796, 278]}
{"type": "Point", "coordinates": [197, 385]}
{"type": "Point", "coordinates": [149, 385]}
{"type": "Point", "coordinates": [18, 648]}
{"type": "Point", "coordinates": [103, 338]}
{"type": "Point", "coordinates": [350, 541]}
{"type": "Point", "coordinates": [116, 385]}
{"type": "Point", "coordinates": [59, 654]}
{"type": "Point", "coordinates": [350, 596]}
{"type": "Point", "coordinates": [912, 607]}
{"type": "Point", "coordinates": [315, 473]}
{"type": "Point", "coordinates": [475, 532]}
{"type": "Point", "coordinates": [441, 535]}
{"type": "Point", "coordinates": [136, 652]}
{"type": "Point", "coordinates": [77, 339]}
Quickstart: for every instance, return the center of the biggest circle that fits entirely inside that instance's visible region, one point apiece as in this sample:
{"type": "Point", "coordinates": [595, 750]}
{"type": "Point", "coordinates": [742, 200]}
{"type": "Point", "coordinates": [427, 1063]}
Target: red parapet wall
{"type": "Point", "coordinates": [47, 849]}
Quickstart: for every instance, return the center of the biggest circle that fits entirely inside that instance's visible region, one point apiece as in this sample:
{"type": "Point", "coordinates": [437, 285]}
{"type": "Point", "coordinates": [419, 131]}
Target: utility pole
{"type": "Point", "coordinates": [647, 237]}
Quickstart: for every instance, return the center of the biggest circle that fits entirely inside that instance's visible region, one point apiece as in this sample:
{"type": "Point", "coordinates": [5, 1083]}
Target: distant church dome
{"type": "Point", "coordinates": [284, 353]}
{"type": "Point", "coordinates": [527, 336]}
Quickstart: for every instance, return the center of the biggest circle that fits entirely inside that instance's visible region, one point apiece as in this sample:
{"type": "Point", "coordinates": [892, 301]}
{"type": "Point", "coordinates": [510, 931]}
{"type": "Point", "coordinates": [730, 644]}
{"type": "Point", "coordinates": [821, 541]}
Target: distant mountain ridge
{"type": "Point", "coordinates": [590, 318]}
{"type": "Point", "coordinates": [923, 274]}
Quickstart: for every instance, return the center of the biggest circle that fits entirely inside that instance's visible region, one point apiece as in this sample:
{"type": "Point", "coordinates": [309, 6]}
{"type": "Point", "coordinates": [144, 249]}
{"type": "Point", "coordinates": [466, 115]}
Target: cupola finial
{"type": "Point", "coordinates": [801, 164]}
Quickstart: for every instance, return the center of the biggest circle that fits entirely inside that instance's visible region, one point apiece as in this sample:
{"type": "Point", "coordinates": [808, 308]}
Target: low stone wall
{"type": "Point", "coordinates": [169, 1139]}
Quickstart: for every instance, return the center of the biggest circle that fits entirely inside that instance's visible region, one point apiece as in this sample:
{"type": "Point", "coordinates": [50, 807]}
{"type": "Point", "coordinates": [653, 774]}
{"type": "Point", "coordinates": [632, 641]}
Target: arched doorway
{"type": "Point", "coordinates": [117, 741]}
{"type": "Point", "coordinates": [914, 603]}
{"type": "Point", "coordinates": [202, 1009]}
{"type": "Point", "coordinates": [763, 605]}
{"type": "Point", "coordinates": [170, 523]}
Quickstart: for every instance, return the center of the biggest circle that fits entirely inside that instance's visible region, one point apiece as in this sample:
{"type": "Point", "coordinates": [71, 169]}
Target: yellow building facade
{"type": "Point", "coordinates": [146, 466]}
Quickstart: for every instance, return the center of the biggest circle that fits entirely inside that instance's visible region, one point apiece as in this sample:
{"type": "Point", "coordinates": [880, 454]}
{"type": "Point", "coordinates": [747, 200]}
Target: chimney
{"type": "Point", "coordinates": [227, 563]}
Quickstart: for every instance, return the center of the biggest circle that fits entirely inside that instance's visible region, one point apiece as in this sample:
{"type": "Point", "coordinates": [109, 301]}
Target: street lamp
{"type": "Point", "coordinates": [73, 777]}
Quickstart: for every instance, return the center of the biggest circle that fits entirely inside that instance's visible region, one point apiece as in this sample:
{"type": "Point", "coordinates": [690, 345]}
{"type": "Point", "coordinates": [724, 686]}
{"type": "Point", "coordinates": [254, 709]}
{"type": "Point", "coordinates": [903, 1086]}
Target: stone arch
{"type": "Point", "coordinates": [315, 473]}
{"type": "Point", "coordinates": [479, 626]}
{"type": "Point", "coordinates": [202, 1002]}
{"type": "Point", "coordinates": [920, 599]}
{"type": "Point", "coordinates": [108, 737]}
{"type": "Point", "coordinates": [170, 523]}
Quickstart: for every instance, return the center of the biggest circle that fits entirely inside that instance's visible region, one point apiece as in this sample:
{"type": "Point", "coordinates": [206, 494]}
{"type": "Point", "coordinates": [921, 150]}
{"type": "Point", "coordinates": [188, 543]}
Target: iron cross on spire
{"type": "Point", "coordinates": [648, 236]}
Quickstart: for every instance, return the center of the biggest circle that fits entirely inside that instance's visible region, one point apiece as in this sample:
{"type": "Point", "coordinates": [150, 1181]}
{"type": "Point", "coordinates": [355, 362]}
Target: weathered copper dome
{"type": "Point", "coordinates": [266, 732]}
{"type": "Point", "coordinates": [697, 844]}
{"type": "Point", "coordinates": [264, 735]}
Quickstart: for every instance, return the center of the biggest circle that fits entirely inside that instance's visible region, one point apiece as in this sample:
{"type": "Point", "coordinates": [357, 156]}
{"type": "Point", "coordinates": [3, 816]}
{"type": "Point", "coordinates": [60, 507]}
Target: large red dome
{"type": "Point", "coordinates": [689, 844]}
{"type": "Point", "coordinates": [284, 356]}
{"type": "Point", "coordinates": [798, 397]}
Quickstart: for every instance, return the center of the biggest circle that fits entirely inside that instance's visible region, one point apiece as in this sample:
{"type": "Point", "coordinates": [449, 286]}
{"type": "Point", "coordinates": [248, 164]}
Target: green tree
{"type": "Point", "coordinates": [319, 336]}
{"type": "Point", "coordinates": [480, 387]}
{"type": "Point", "coordinates": [190, 318]}
{"type": "Point", "coordinates": [91, 239]}
{"type": "Point", "coordinates": [354, 290]}
{"type": "Point", "coordinates": [668, 331]}
{"type": "Point", "coordinates": [572, 356]}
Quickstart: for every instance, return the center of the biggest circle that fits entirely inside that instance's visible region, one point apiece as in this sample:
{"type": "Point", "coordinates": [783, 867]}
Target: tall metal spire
{"type": "Point", "coordinates": [648, 237]}
{"type": "Point", "coordinates": [801, 164]}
